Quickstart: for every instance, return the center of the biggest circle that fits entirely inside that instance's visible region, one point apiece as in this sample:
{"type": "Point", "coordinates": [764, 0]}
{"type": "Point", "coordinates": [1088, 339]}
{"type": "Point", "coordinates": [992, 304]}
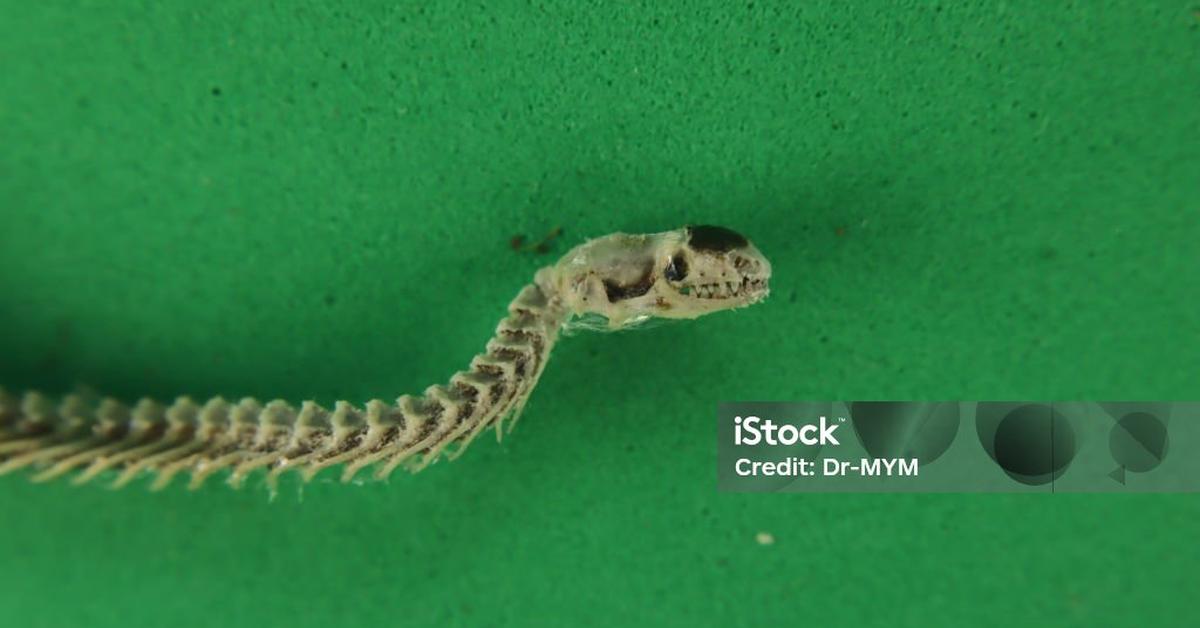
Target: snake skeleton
{"type": "Point", "coordinates": [615, 282]}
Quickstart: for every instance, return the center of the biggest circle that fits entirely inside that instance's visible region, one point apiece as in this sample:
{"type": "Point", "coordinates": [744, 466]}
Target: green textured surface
{"type": "Point", "coordinates": [972, 200]}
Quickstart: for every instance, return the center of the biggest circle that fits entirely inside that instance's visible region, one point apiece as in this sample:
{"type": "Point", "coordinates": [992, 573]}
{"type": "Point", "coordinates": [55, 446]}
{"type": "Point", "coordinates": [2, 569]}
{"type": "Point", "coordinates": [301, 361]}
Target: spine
{"type": "Point", "coordinates": [90, 439]}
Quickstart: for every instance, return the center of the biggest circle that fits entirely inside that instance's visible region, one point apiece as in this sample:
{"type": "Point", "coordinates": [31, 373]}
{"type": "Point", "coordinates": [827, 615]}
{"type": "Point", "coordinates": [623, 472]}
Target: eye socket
{"type": "Point", "coordinates": [676, 269]}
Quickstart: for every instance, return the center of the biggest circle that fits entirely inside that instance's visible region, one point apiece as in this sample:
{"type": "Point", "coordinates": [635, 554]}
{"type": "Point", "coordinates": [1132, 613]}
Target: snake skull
{"type": "Point", "coordinates": [686, 273]}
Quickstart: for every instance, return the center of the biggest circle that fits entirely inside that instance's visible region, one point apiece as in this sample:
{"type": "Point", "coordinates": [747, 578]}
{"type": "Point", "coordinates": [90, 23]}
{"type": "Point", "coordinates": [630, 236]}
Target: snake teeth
{"type": "Point", "coordinates": [726, 289]}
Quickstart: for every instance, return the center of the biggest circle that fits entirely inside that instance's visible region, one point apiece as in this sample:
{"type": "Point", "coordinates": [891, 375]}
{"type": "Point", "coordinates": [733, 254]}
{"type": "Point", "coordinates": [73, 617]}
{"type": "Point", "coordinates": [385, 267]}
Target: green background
{"type": "Point", "coordinates": [964, 200]}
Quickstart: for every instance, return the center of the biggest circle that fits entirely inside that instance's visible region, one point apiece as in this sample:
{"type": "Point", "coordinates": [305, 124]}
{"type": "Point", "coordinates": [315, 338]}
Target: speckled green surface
{"type": "Point", "coordinates": [968, 200]}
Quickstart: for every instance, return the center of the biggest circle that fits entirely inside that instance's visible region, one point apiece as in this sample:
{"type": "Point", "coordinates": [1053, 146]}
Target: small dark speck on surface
{"type": "Point", "coordinates": [330, 300]}
{"type": "Point", "coordinates": [1047, 253]}
{"type": "Point", "coordinates": [792, 297]}
{"type": "Point", "coordinates": [216, 91]}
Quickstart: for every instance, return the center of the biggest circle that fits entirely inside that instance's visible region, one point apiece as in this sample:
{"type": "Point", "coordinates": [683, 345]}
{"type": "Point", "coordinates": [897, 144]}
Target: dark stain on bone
{"type": "Point", "coordinates": [715, 239]}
